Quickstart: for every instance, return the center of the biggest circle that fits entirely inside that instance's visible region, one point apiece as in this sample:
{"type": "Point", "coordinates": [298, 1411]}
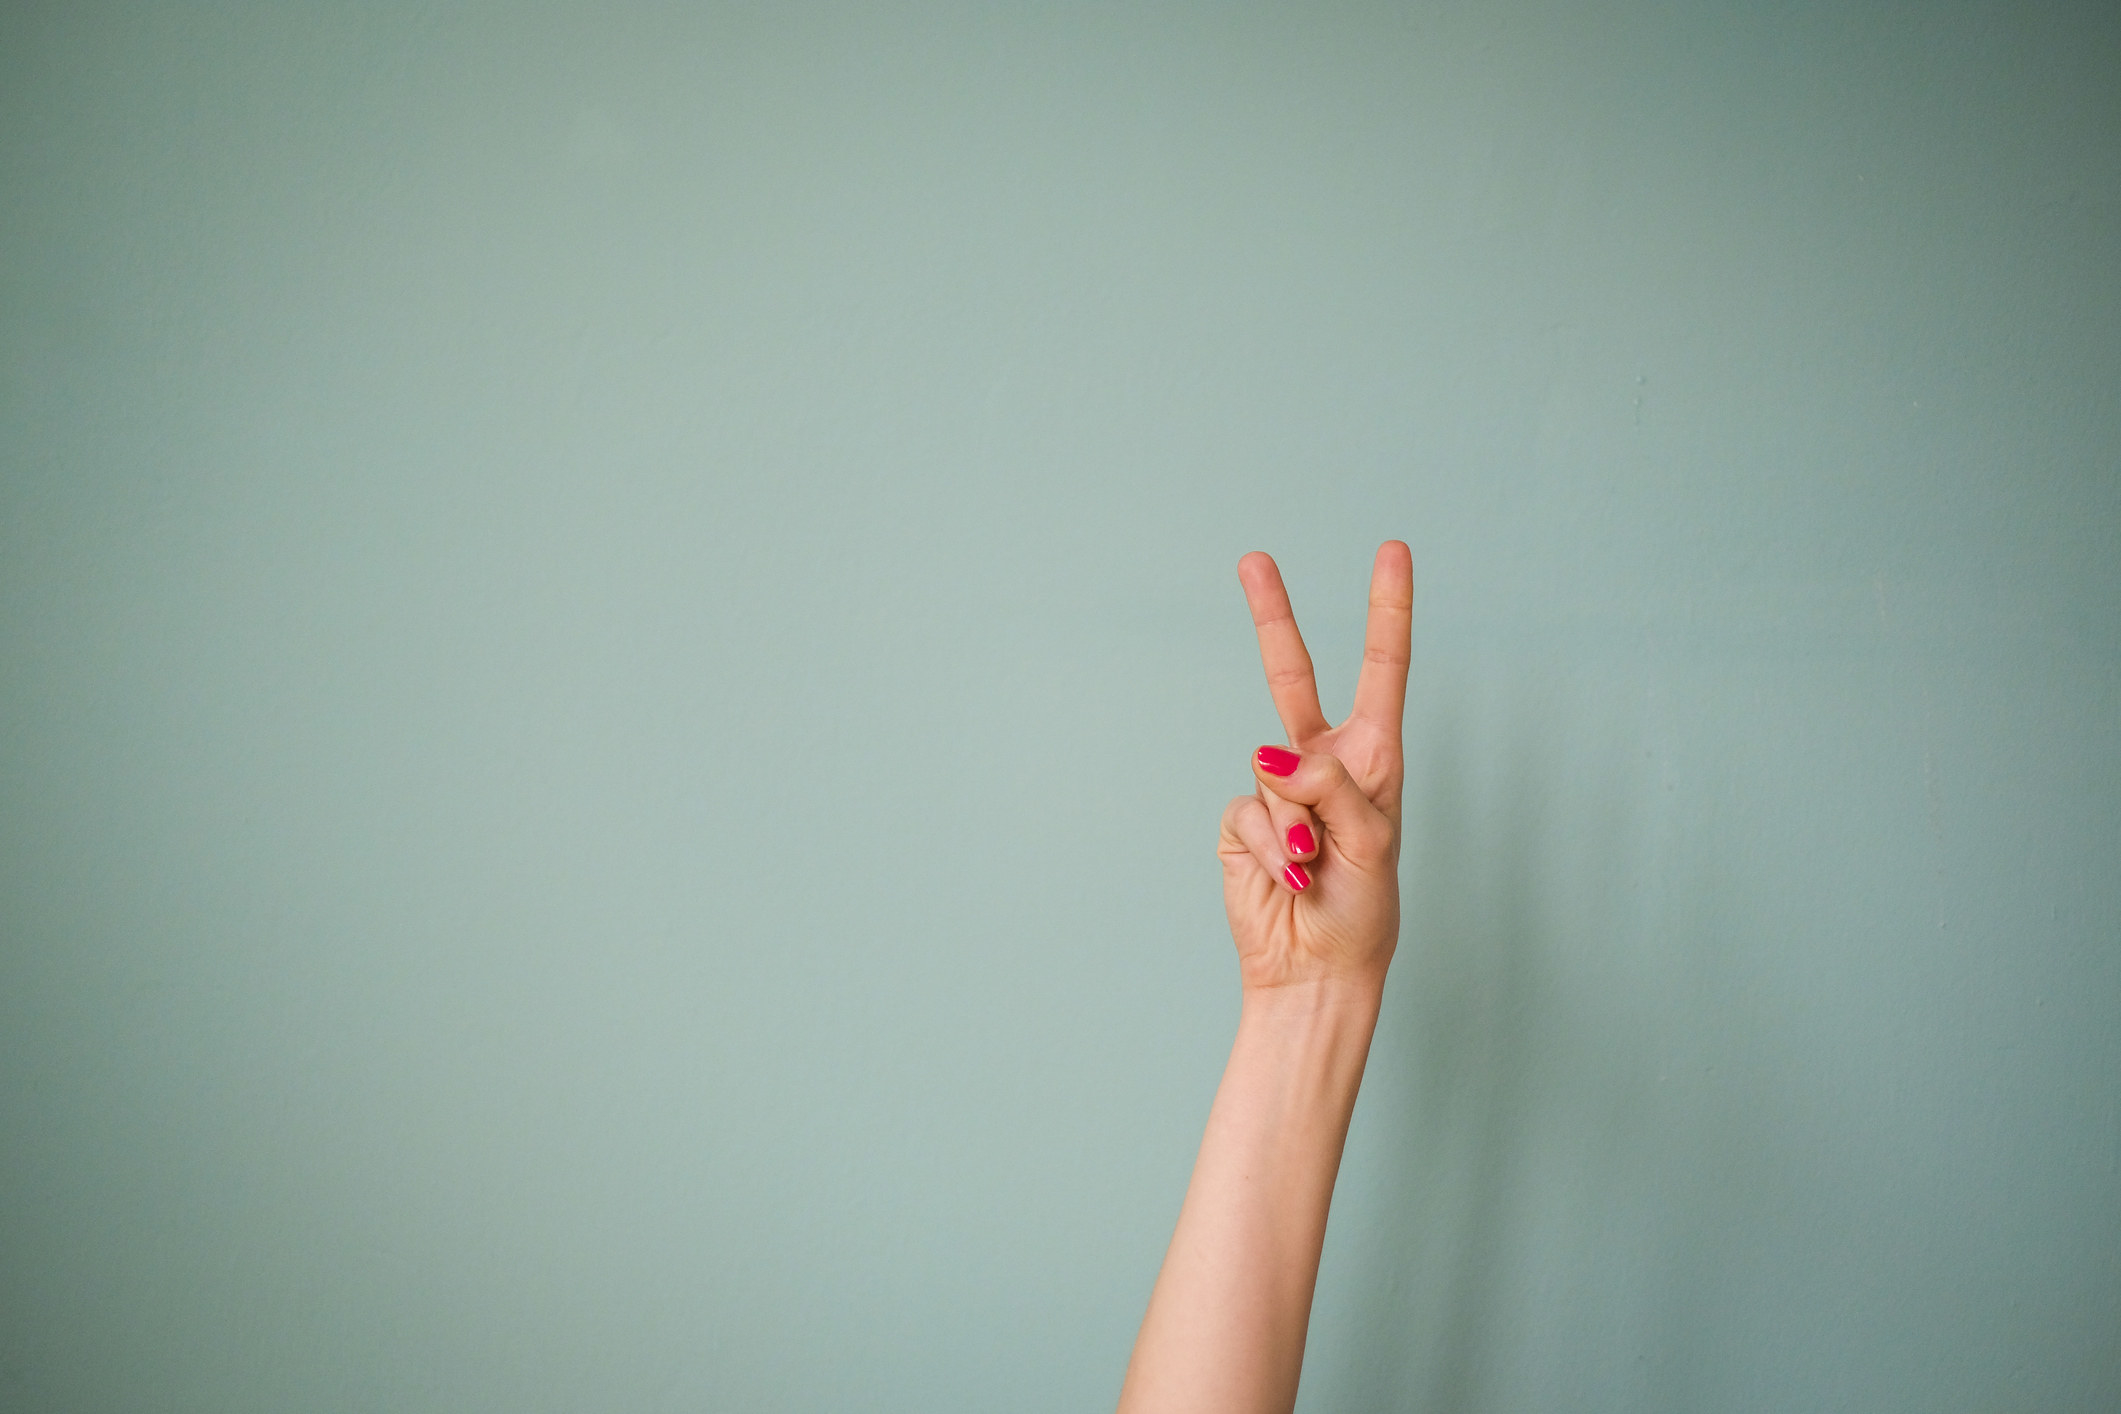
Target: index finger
{"type": "Point", "coordinates": [1281, 648]}
{"type": "Point", "coordinates": [1381, 692]}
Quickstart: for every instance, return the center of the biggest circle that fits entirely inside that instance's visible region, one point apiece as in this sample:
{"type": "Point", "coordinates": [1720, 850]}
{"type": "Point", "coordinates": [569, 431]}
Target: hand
{"type": "Point", "coordinates": [1329, 913]}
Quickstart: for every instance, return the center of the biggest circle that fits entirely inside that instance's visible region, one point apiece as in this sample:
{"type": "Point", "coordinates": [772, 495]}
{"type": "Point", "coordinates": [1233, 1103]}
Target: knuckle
{"type": "Point", "coordinates": [1372, 839]}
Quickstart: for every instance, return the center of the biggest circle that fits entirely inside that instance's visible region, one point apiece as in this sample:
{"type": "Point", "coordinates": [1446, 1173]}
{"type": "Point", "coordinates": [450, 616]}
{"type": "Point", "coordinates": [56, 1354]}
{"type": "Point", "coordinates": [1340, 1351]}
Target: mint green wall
{"type": "Point", "coordinates": [620, 649]}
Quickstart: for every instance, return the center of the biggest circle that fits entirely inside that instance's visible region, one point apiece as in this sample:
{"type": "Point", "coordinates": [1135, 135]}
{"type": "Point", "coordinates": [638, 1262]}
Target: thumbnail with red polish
{"type": "Point", "coordinates": [1276, 761]}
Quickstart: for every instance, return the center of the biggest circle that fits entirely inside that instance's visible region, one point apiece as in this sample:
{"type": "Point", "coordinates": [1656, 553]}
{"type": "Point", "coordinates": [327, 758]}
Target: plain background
{"type": "Point", "coordinates": [622, 650]}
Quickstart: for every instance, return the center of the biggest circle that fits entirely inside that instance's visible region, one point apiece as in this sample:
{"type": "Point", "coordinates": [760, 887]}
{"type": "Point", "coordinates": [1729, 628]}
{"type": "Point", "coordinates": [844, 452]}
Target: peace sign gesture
{"type": "Point", "coordinates": [1311, 858]}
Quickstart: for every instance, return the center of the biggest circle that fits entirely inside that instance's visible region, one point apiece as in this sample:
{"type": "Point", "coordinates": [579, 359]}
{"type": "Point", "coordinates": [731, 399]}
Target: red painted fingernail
{"type": "Point", "coordinates": [1278, 761]}
{"type": "Point", "coordinates": [1298, 879]}
{"type": "Point", "coordinates": [1300, 840]}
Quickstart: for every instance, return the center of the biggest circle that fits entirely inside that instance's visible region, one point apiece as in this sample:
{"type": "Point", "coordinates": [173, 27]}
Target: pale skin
{"type": "Point", "coordinates": [1226, 1322]}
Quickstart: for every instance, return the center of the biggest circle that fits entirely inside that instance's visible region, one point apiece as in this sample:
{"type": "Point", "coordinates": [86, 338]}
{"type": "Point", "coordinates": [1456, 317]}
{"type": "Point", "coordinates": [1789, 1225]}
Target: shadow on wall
{"type": "Point", "coordinates": [1559, 1157]}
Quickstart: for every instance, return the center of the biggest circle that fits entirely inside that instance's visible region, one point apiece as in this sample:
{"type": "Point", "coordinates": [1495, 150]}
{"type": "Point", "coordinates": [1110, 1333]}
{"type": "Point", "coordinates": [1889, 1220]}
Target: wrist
{"type": "Point", "coordinates": [1346, 996]}
{"type": "Point", "coordinates": [1318, 1034]}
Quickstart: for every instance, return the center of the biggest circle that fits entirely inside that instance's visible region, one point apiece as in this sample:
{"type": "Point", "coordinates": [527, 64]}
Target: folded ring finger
{"type": "Point", "coordinates": [1267, 833]}
{"type": "Point", "coordinates": [1294, 825]}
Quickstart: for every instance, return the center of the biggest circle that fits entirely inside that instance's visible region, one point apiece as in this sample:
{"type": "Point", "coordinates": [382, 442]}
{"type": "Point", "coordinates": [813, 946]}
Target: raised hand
{"type": "Point", "coordinates": [1311, 857]}
{"type": "Point", "coordinates": [1315, 929]}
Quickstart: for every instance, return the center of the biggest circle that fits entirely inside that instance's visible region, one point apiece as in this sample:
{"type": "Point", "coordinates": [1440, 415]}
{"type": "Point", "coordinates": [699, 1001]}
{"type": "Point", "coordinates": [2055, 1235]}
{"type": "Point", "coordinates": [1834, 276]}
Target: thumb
{"type": "Point", "coordinates": [1317, 779]}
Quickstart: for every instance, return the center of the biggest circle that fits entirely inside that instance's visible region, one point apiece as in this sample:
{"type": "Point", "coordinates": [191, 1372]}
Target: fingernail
{"type": "Point", "coordinates": [1278, 761]}
{"type": "Point", "coordinates": [1298, 879]}
{"type": "Point", "coordinates": [1300, 840]}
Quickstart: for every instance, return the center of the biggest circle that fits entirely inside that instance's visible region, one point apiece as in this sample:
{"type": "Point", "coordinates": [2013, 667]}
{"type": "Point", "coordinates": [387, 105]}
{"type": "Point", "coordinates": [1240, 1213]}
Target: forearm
{"type": "Point", "coordinates": [1226, 1322]}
